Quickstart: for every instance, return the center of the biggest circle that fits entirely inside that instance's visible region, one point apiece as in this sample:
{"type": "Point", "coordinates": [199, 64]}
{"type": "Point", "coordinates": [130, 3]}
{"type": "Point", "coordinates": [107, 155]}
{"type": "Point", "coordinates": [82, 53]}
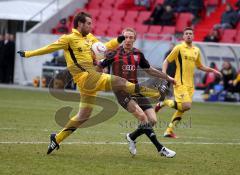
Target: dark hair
{"type": "Point", "coordinates": [80, 17]}
{"type": "Point", "coordinates": [187, 28]}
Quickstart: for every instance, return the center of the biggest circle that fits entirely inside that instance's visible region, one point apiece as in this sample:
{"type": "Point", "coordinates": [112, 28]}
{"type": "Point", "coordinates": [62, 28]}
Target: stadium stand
{"type": "Point", "coordinates": [125, 13]}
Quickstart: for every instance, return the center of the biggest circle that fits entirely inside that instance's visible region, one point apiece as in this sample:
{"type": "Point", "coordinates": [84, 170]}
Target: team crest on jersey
{"type": "Point", "coordinates": [182, 95]}
{"type": "Point", "coordinates": [135, 57]}
{"type": "Point", "coordinates": [80, 49]}
{"type": "Point", "coordinates": [88, 42]}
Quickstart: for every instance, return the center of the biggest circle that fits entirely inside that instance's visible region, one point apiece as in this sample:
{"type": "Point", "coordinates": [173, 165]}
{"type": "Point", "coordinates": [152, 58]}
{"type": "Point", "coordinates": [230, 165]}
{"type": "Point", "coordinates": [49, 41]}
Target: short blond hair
{"type": "Point", "coordinates": [129, 29]}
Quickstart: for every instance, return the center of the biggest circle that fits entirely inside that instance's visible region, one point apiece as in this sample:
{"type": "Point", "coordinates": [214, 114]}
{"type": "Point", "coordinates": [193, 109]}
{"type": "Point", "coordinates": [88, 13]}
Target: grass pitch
{"type": "Point", "coordinates": [208, 140]}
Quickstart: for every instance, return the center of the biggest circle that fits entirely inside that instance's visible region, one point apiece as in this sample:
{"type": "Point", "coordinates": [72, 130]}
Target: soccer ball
{"type": "Point", "coordinates": [99, 50]}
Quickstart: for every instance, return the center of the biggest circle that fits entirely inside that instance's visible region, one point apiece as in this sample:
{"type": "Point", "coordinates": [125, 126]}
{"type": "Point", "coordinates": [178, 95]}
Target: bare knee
{"type": "Point", "coordinates": [84, 113]}
{"type": "Point", "coordinates": [186, 106]}
{"type": "Point", "coordinates": [151, 115]}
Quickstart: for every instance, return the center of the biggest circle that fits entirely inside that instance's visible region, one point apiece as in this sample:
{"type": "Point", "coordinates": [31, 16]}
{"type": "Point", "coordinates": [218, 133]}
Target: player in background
{"type": "Point", "coordinates": [79, 58]}
{"type": "Point", "coordinates": [187, 57]}
{"type": "Point", "coordinates": [125, 62]}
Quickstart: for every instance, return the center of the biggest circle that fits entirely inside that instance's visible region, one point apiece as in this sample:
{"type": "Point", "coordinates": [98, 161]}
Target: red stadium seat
{"type": "Point", "coordinates": [130, 17]}
{"type": "Point", "coordinates": [159, 1]}
{"type": "Point", "coordinates": [168, 30]}
{"type": "Point", "coordinates": [184, 20]}
{"type": "Point", "coordinates": [143, 15]}
{"type": "Point", "coordinates": [94, 4]}
{"type": "Point", "coordinates": [100, 29]}
{"type": "Point", "coordinates": [141, 29]}
{"type": "Point", "coordinates": [117, 15]}
{"type": "Point", "coordinates": [104, 16]}
{"type": "Point", "coordinates": [212, 2]}
{"type": "Point", "coordinates": [128, 24]}
{"type": "Point", "coordinates": [155, 29]}
{"type": "Point", "coordinates": [238, 26]}
{"type": "Point", "coordinates": [114, 30]}
{"type": "Point", "coordinates": [107, 5]}
{"type": "Point", "coordinates": [95, 13]}
{"type": "Point", "coordinates": [126, 4]}
{"type": "Point", "coordinates": [228, 36]}
{"type": "Point", "coordinates": [237, 38]}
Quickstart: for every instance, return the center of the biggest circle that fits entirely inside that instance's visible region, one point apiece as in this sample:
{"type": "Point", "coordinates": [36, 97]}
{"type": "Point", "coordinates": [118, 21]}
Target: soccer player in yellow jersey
{"type": "Point", "coordinates": [79, 58]}
{"type": "Point", "coordinates": [187, 57]}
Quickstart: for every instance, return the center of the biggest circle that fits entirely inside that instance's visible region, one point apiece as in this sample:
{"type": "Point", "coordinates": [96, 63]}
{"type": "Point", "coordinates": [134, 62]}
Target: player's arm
{"type": "Point", "coordinates": [159, 74]}
{"type": "Point", "coordinates": [109, 58]}
{"type": "Point", "coordinates": [152, 71]}
{"type": "Point", "coordinates": [114, 43]}
{"type": "Point", "coordinates": [204, 68]}
{"type": "Point", "coordinates": [208, 69]}
{"type": "Point", "coordinates": [61, 43]}
{"type": "Point", "coordinates": [171, 57]}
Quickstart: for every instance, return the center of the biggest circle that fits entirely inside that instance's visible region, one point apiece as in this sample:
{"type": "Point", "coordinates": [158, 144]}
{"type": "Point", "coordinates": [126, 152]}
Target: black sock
{"type": "Point", "coordinates": [138, 132]}
{"type": "Point", "coordinates": [148, 130]}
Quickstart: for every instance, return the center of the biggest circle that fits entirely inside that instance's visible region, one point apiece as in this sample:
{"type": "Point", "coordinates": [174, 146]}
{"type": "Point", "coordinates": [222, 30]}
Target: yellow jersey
{"type": "Point", "coordinates": [186, 59]}
{"type": "Point", "coordinates": [77, 50]}
{"type": "Point", "coordinates": [237, 80]}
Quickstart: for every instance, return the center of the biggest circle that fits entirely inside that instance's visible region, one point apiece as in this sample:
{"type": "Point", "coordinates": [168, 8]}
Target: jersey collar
{"type": "Point", "coordinates": [76, 32]}
{"type": "Point", "coordinates": [185, 45]}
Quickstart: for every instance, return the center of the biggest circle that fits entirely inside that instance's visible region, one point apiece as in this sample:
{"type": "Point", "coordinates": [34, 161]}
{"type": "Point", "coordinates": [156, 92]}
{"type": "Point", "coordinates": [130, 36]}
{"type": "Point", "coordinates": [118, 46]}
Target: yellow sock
{"type": "Point", "coordinates": [70, 127]}
{"type": "Point", "coordinates": [177, 116]}
{"type": "Point", "coordinates": [169, 103]}
{"type": "Point", "coordinates": [148, 92]}
{"type": "Point", "coordinates": [173, 104]}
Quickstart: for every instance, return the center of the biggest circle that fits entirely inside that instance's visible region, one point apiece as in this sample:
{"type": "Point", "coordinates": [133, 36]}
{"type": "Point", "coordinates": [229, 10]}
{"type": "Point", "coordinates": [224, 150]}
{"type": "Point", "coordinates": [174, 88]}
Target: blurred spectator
{"type": "Point", "coordinates": [209, 80]}
{"type": "Point", "coordinates": [167, 17]}
{"type": "Point", "coordinates": [183, 6]}
{"type": "Point", "coordinates": [229, 19]}
{"type": "Point", "coordinates": [237, 5]}
{"type": "Point", "coordinates": [229, 74]}
{"type": "Point", "coordinates": [8, 57]}
{"type": "Point", "coordinates": [236, 84]}
{"type": "Point", "coordinates": [172, 3]}
{"type": "Point", "coordinates": [143, 3]}
{"type": "Point", "coordinates": [62, 26]}
{"type": "Point", "coordinates": [196, 6]}
{"type": "Point", "coordinates": [155, 17]}
{"type": "Point", "coordinates": [213, 36]}
{"type": "Point", "coordinates": [1, 57]}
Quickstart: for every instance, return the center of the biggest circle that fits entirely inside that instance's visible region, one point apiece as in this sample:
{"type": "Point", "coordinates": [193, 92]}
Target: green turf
{"type": "Point", "coordinates": [209, 142]}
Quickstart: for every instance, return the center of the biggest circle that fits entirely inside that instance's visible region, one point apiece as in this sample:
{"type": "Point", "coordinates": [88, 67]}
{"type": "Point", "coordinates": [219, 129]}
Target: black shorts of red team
{"type": "Point", "coordinates": [125, 65]}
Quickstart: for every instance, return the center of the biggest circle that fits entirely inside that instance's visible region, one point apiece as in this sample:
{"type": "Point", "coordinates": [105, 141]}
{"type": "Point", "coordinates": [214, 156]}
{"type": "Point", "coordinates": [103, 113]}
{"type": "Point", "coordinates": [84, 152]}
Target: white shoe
{"type": "Point", "coordinates": [167, 152]}
{"type": "Point", "coordinates": [132, 145]}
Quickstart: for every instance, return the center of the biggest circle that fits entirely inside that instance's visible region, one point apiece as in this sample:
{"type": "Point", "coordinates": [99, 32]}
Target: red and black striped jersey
{"type": "Point", "coordinates": [125, 64]}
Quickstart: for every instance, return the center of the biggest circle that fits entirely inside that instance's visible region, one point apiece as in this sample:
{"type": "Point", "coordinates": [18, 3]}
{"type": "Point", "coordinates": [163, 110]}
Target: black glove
{"type": "Point", "coordinates": [21, 53]}
{"type": "Point", "coordinates": [120, 38]}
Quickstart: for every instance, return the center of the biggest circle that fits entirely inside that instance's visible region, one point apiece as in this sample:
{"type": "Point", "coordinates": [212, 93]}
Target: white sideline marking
{"type": "Point", "coordinates": [26, 129]}
{"type": "Point", "coordinates": [124, 143]}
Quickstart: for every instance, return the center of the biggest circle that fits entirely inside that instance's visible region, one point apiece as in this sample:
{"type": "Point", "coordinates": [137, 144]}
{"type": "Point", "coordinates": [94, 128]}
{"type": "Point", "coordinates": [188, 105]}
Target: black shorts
{"type": "Point", "coordinates": [124, 98]}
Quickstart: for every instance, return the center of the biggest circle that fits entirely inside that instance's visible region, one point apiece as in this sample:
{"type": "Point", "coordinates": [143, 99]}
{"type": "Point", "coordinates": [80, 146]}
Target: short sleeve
{"type": "Point", "coordinates": [173, 54]}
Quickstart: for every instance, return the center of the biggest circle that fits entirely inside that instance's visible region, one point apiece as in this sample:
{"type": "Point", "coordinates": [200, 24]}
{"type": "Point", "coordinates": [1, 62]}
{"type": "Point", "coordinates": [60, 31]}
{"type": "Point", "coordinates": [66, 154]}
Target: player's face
{"type": "Point", "coordinates": [86, 27]}
{"type": "Point", "coordinates": [188, 36]}
{"type": "Point", "coordinates": [129, 40]}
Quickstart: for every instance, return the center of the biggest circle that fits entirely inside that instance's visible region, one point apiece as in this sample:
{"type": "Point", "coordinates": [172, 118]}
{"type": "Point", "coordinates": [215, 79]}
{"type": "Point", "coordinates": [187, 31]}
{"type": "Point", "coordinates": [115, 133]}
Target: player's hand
{"type": "Point", "coordinates": [120, 38]}
{"type": "Point", "coordinates": [21, 53]}
{"type": "Point", "coordinates": [171, 80]}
